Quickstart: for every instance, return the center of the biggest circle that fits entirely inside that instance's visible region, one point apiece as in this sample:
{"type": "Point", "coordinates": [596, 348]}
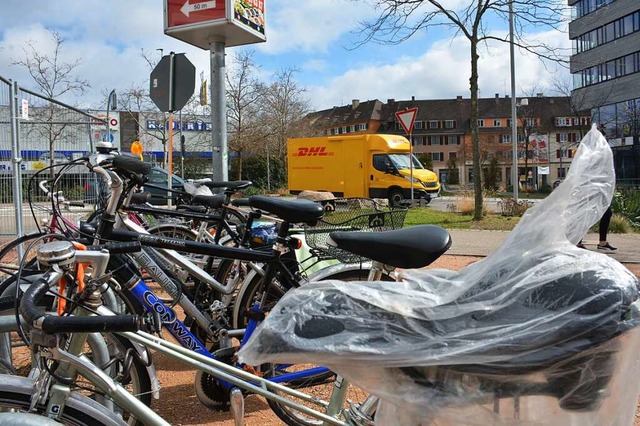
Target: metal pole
{"type": "Point", "coordinates": [268, 171]}
{"type": "Point", "coordinates": [220, 152]}
{"type": "Point", "coordinates": [411, 164]}
{"type": "Point", "coordinates": [514, 116]}
{"type": "Point", "coordinates": [182, 151]}
{"type": "Point", "coordinates": [16, 160]}
{"type": "Point", "coordinates": [170, 150]}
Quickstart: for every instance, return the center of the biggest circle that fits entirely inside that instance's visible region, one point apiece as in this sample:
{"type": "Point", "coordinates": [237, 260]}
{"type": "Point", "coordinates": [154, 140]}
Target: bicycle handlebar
{"type": "Point", "coordinates": [69, 324]}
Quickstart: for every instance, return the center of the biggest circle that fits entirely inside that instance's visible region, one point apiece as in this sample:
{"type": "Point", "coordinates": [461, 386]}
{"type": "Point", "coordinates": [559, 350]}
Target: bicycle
{"type": "Point", "coordinates": [179, 329]}
{"type": "Point", "coordinates": [294, 413]}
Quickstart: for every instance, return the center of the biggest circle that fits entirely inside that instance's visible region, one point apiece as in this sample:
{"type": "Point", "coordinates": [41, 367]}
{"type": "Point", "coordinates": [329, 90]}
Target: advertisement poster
{"type": "Point", "coordinates": [250, 13]}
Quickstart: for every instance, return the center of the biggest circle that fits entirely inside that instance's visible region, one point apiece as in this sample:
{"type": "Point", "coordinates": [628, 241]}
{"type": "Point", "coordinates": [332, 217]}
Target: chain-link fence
{"type": "Point", "coordinates": [37, 136]}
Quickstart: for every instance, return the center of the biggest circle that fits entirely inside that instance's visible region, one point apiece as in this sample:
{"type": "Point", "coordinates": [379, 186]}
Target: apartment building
{"type": "Point", "coordinates": [548, 134]}
{"type": "Point", "coordinates": [606, 74]}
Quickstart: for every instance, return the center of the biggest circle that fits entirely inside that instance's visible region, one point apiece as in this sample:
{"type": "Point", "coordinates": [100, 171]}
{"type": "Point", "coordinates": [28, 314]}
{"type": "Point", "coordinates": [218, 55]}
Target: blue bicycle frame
{"type": "Point", "coordinates": [187, 339]}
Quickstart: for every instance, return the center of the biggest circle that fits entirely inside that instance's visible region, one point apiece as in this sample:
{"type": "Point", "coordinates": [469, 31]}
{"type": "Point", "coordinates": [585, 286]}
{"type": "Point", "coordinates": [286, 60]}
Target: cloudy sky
{"type": "Point", "coordinates": [318, 37]}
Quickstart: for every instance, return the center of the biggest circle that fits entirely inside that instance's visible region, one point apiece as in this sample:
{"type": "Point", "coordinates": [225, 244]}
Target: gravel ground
{"type": "Point", "coordinates": [179, 405]}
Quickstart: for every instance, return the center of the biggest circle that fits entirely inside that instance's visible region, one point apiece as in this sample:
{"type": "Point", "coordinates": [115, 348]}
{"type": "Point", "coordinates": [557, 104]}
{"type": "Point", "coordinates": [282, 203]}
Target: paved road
{"type": "Point", "coordinates": [481, 243]}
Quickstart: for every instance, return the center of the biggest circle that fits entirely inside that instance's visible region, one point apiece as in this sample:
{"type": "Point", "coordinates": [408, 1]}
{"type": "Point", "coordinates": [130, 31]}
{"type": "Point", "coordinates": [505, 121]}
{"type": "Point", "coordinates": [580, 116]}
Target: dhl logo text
{"type": "Point", "coordinates": [314, 151]}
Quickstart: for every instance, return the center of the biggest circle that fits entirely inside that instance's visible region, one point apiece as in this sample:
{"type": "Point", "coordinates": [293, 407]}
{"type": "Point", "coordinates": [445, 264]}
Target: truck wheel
{"type": "Point", "coordinates": [395, 197]}
{"type": "Point", "coordinates": [427, 200]}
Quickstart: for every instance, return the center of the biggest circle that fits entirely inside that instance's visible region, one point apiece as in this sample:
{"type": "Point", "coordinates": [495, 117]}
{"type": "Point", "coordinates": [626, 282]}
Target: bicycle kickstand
{"type": "Point", "coordinates": [237, 406]}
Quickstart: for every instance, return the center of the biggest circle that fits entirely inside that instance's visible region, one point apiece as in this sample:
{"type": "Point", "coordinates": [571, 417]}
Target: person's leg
{"type": "Point", "coordinates": [603, 229]}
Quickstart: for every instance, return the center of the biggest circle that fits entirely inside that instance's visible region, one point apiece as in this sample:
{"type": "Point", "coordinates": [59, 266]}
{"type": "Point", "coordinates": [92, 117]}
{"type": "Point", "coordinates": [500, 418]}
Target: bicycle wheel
{"type": "Point", "coordinates": [322, 390]}
{"type": "Point", "coordinates": [114, 354]}
{"type": "Point", "coordinates": [275, 290]}
{"type": "Point", "coordinates": [318, 385]}
{"type": "Point", "coordinates": [16, 393]}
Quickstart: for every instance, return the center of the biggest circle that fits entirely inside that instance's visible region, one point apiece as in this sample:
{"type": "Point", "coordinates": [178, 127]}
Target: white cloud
{"type": "Point", "coordinates": [310, 25]}
{"type": "Point", "coordinates": [310, 34]}
{"type": "Point", "coordinates": [315, 65]}
{"type": "Point", "coordinates": [443, 71]}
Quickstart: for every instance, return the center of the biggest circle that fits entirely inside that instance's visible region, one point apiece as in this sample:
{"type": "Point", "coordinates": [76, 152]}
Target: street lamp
{"type": "Point", "coordinates": [514, 115]}
{"type": "Point", "coordinates": [112, 104]}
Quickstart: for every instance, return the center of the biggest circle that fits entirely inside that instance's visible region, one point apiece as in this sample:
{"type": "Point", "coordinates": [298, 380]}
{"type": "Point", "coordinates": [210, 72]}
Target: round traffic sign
{"type": "Point", "coordinates": [113, 122]}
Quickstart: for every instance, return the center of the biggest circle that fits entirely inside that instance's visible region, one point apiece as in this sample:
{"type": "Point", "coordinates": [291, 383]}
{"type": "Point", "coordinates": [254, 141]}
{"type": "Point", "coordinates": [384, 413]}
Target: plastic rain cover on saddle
{"type": "Point", "coordinates": [538, 333]}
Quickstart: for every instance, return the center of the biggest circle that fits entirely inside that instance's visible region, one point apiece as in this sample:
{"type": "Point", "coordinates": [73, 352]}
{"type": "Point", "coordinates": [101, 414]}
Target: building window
{"type": "Point", "coordinates": [437, 156]}
{"type": "Point", "coordinates": [433, 124]}
{"type": "Point", "coordinates": [562, 172]}
{"type": "Point", "coordinates": [505, 138]}
{"type": "Point", "coordinates": [434, 140]}
{"type": "Point", "coordinates": [449, 124]}
{"type": "Point", "coordinates": [418, 125]}
{"type": "Point", "coordinates": [453, 155]}
{"type": "Point", "coordinates": [452, 140]}
{"type": "Point", "coordinates": [481, 123]}
{"type": "Point", "coordinates": [625, 65]}
{"type": "Point", "coordinates": [497, 123]}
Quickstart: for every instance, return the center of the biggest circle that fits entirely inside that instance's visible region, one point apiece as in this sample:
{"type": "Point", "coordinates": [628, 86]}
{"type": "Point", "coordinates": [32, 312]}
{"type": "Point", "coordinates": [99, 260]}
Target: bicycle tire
{"type": "Point", "coordinates": [16, 393]}
{"type": "Point", "coordinates": [321, 384]}
{"type": "Point", "coordinates": [118, 346]}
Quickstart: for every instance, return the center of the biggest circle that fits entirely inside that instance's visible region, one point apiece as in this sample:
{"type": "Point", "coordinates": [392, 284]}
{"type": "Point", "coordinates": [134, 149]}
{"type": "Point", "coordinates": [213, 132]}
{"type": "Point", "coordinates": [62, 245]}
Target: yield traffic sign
{"type": "Point", "coordinates": [407, 118]}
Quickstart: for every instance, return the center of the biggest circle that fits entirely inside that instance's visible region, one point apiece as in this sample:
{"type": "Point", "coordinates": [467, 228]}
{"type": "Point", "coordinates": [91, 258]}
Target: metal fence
{"type": "Point", "coordinates": [37, 135]}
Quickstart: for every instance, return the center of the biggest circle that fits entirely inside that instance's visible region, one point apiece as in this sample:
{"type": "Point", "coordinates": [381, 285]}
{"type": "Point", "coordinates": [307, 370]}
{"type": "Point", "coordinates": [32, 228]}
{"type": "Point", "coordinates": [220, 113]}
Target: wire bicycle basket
{"type": "Point", "coordinates": [350, 214]}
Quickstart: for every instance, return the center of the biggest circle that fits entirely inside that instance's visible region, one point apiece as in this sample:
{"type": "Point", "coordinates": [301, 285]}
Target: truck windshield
{"type": "Point", "coordinates": [401, 161]}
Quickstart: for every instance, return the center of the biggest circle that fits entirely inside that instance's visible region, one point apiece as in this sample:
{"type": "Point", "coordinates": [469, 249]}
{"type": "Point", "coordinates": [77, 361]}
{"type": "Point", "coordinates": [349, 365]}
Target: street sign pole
{"type": "Point", "coordinates": [411, 164]}
{"type": "Point", "coordinates": [172, 58]}
{"type": "Point", "coordinates": [170, 156]}
{"type": "Point", "coordinates": [406, 118]}
{"type": "Point", "coordinates": [220, 151]}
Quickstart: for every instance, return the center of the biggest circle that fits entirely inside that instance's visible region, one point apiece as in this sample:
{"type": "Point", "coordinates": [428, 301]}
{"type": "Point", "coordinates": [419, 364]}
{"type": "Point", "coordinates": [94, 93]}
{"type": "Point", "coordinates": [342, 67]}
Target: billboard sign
{"type": "Point", "coordinates": [200, 23]}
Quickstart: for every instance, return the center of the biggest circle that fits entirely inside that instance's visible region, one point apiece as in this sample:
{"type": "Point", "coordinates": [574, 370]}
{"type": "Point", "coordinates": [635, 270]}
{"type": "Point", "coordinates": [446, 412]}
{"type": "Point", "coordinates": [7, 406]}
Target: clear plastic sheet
{"type": "Point", "coordinates": [539, 332]}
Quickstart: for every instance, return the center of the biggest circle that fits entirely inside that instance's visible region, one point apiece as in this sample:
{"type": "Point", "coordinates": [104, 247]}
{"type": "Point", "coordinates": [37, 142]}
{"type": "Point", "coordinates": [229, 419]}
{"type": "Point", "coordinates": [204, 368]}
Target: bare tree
{"type": "Point", "coordinates": [55, 78]}
{"type": "Point", "coordinates": [246, 133]}
{"type": "Point", "coordinates": [398, 20]}
{"type": "Point", "coordinates": [284, 112]}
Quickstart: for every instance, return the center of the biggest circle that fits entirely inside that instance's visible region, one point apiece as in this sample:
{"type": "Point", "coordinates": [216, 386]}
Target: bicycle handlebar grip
{"type": "Point", "coordinates": [76, 204]}
{"type": "Point", "coordinates": [93, 324]}
{"type": "Point", "coordinates": [131, 165]}
{"type": "Point", "coordinates": [54, 324]}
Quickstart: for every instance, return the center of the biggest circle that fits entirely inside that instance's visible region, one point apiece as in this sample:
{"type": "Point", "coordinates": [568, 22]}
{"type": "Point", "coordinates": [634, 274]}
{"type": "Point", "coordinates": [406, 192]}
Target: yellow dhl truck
{"type": "Point", "coordinates": [365, 165]}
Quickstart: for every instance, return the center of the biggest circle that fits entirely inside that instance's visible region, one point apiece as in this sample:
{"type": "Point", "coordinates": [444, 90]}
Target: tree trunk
{"type": "Point", "coordinates": [475, 145]}
{"type": "Point", "coordinates": [239, 165]}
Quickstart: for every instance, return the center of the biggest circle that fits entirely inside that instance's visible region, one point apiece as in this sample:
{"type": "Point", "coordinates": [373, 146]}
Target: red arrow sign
{"type": "Point", "coordinates": [186, 12]}
{"type": "Point", "coordinates": [407, 118]}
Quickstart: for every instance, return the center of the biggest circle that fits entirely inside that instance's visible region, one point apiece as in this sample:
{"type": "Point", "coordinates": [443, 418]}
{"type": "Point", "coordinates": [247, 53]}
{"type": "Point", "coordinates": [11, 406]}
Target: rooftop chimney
{"type": "Point", "coordinates": [459, 97]}
{"type": "Point", "coordinates": [413, 98]}
{"type": "Point", "coordinates": [540, 95]}
{"type": "Point", "coordinates": [497, 95]}
{"type": "Point", "coordinates": [355, 103]}
{"type": "Point", "coordinates": [390, 101]}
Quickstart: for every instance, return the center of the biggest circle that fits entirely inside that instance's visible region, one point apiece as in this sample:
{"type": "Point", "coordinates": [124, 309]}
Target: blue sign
{"type": "Point", "coordinates": [104, 137]}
